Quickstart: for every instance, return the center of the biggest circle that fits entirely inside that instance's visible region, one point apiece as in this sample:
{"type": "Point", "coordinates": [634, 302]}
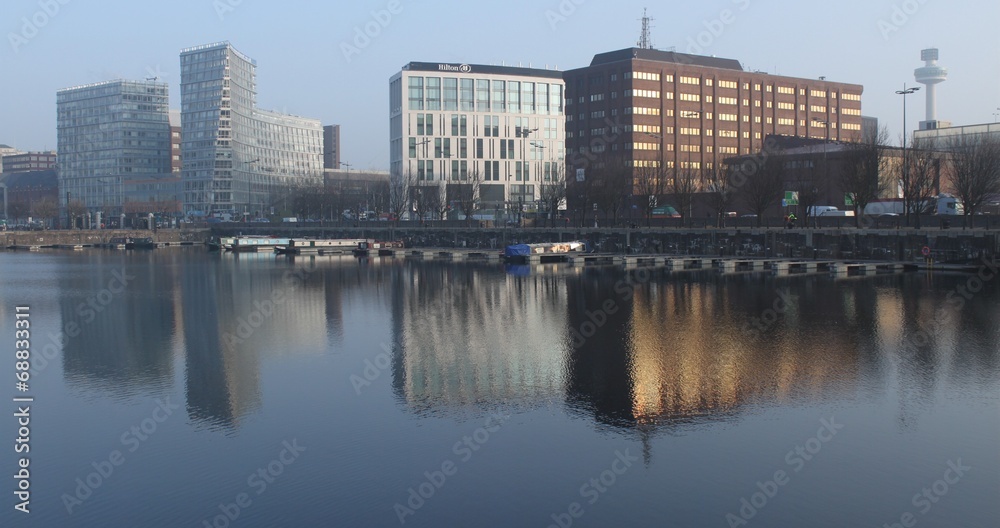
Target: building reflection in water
{"type": "Point", "coordinates": [123, 346]}
{"type": "Point", "coordinates": [466, 336]}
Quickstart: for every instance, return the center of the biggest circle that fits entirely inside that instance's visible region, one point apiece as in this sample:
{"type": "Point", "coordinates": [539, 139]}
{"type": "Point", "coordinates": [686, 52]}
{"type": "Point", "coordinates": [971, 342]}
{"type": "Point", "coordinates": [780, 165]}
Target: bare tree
{"type": "Point", "coordinates": [467, 193]}
{"type": "Point", "coordinates": [612, 186]}
{"type": "Point", "coordinates": [763, 185]}
{"type": "Point", "coordinates": [865, 167]}
{"type": "Point", "coordinates": [552, 192]}
{"type": "Point", "coordinates": [721, 193]}
{"type": "Point", "coordinates": [17, 210]}
{"type": "Point", "coordinates": [975, 170]}
{"type": "Point", "coordinates": [399, 193]}
{"type": "Point", "coordinates": [425, 199]}
{"type": "Point", "coordinates": [650, 184]}
{"type": "Point", "coordinates": [46, 209]}
{"type": "Point", "coordinates": [75, 209]}
{"type": "Point", "coordinates": [918, 177]}
{"type": "Point", "coordinates": [683, 187]}
{"type": "Point", "coordinates": [810, 187]}
{"type": "Point", "coordinates": [438, 200]}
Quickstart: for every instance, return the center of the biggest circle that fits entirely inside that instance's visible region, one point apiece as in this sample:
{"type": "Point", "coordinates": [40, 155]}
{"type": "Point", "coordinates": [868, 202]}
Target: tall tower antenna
{"type": "Point", "coordinates": [930, 75]}
{"type": "Point", "coordinates": [644, 40]}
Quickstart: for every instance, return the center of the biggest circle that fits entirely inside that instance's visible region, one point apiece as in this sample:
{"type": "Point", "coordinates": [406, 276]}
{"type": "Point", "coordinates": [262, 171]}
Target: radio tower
{"type": "Point", "coordinates": [644, 40]}
{"type": "Point", "coordinates": [931, 75]}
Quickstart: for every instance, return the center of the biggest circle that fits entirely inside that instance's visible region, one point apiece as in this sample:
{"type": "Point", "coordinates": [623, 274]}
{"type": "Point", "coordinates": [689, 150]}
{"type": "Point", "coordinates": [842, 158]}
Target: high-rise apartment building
{"type": "Point", "coordinates": [108, 133]}
{"type": "Point", "coordinates": [331, 147]}
{"type": "Point", "coordinates": [660, 109]}
{"type": "Point", "coordinates": [236, 157]}
{"type": "Point", "coordinates": [502, 126]}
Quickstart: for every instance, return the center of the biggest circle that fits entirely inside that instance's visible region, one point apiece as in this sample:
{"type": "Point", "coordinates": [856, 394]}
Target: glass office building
{"type": "Point", "coordinates": [108, 133]}
{"type": "Point", "coordinates": [502, 126]}
{"type": "Point", "coordinates": [237, 158]}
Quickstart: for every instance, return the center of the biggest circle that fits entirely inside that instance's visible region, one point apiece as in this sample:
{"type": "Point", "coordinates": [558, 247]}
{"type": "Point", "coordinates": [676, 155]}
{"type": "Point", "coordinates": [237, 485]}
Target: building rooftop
{"type": "Point", "coordinates": [444, 68]}
{"type": "Point", "coordinates": [665, 56]}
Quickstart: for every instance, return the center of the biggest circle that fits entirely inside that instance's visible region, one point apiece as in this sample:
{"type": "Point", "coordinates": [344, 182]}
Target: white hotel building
{"type": "Point", "coordinates": [452, 122]}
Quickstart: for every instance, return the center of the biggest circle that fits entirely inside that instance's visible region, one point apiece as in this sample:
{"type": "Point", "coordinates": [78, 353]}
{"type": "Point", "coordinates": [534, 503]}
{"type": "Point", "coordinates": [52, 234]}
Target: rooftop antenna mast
{"type": "Point", "coordinates": [644, 40]}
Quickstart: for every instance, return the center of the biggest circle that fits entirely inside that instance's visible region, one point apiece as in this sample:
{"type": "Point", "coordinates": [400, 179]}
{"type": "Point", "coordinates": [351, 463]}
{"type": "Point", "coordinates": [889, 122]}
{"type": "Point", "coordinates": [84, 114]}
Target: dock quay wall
{"type": "Point", "coordinates": [858, 244]}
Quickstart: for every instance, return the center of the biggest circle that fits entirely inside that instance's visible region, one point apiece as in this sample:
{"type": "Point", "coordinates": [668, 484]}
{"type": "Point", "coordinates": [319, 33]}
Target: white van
{"type": "Point", "coordinates": [837, 213]}
{"type": "Point", "coordinates": [818, 210]}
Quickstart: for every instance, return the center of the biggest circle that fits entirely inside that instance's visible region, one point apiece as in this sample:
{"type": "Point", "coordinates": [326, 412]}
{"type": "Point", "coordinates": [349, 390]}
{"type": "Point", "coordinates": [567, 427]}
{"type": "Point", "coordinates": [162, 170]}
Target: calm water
{"type": "Point", "coordinates": [222, 390]}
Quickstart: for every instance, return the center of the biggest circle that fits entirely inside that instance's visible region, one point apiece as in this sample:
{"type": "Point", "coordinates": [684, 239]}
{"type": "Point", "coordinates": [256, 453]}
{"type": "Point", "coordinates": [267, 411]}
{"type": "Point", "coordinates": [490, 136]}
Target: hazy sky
{"type": "Point", "coordinates": [303, 67]}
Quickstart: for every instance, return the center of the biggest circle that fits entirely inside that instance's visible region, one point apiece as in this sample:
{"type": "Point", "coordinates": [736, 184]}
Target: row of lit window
{"type": "Point", "coordinates": [645, 93]}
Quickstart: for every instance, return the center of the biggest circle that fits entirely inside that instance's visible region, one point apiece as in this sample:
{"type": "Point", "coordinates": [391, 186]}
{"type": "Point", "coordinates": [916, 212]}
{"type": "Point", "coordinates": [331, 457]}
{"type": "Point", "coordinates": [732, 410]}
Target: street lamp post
{"type": "Point", "coordinates": [691, 115]}
{"type": "Point", "coordinates": [904, 92]}
{"type": "Point", "coordinates": [826, 167]}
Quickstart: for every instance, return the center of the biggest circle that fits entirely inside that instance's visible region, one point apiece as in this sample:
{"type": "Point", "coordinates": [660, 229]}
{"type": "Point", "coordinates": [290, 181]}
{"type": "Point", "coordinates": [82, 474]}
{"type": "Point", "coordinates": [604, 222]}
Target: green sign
{"type": "Point", "coordinates": [849, 199]}
{"type": "Point", "coordinates": [791, 198]}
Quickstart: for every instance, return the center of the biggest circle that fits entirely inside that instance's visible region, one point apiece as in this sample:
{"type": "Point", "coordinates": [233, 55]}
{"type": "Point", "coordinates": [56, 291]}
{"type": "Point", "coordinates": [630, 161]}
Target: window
{"type": "Point", "coordinates": [639, 110]}
{"type": "Point", "coordinates": [514, 97]}
{"type": "Point", "coordinates": [708, 82]}
{"type": "Point", "coordinates": [690, 131]}
{"type": "Point", "coordinates": [467, 94]}
{"type": "Point", "coordinates": [727, 133]}
{"type": "Point", "coordinates": [690, 97]}
{"type": "Point", "coordinates": [817, 93]}
{"type": "Point", "coordinates": [727, 84]}
{"type": "Point", "coordinates": [596, 97]}
{"type": "Point", "coordinates": [850, 97]}
{"type": "Point", "coordinates": [482, 95]}
{"type": "Point", "coordinates": [786, 90]}
{"type": "Point", "coordinates": [850, 126]}
{"type": "Point", "coordinates": [728, 100]}
{"type": "Point", "coordinates": [689, 80]}
{"type": "Point", "coordinates": [727, 117]}
{"type": "Point", "coordinates": [642, 93]}
{"type": "Point", "coordinates": [413, 147]}
{"type": "Point", "coordinates": [817, 108]}
{"type": "Point", "coordinates": [479, 148]}
{"type": "Point", "coordinates": [850, 111]}
{"type": "Point", "coordinates": [786, 106]}
{"type": "Point", "coordinates": [645, 76]}
{"type": "Point", "coordinates": [450, 94]}
{"type": "Point", "coordinates": [787, 122]}
{"type": "Point", "coordinates": [416, 93]}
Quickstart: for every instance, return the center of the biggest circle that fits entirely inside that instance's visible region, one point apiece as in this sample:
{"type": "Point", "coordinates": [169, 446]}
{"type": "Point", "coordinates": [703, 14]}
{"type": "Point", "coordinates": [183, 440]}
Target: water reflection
{"type": "Point", "coordinates": [467, 335]}
{"type": "Point", "coordinates": [648, 352]}
{"type": "Point", "coordinates": [107, 345]}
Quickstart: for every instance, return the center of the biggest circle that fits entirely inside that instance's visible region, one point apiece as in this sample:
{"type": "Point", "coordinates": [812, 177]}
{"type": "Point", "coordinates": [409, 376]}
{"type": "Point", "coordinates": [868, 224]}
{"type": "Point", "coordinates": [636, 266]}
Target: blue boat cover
{"type": "Point", "coordinates": [517, 250]}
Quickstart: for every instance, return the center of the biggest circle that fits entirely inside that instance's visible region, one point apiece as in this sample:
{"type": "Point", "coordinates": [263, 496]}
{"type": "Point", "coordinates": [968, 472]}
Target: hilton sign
{"type": "Point", "coordinates": [459, 68]}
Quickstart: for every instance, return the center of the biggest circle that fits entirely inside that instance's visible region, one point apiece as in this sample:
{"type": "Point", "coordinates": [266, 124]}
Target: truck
{"type": "Point", "coordinates": [942, 204]}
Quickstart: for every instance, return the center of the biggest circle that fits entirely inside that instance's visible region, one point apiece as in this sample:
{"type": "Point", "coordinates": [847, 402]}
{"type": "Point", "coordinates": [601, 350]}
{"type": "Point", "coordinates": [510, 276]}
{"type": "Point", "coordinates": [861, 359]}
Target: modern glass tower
{"type": "Point", "coordinates": [108, 133]}
{"type": "Point", "coordinates": [237, 158]}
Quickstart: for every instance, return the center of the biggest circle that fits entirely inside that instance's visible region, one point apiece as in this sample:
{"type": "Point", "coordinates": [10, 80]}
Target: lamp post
{"type": "Point", "coordinates": [904, 92]}
{"type": "Point", "coordinates": [826, 167]}
{"type": "Point", "coordinates": [691, 115]}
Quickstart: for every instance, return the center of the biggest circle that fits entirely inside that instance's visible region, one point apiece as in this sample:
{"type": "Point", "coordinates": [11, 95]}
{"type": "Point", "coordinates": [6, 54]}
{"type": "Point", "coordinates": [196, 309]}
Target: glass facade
{"type": "Point", "coordinates": [109, 133]}
{"type": "Point", "coordinates": [506, 125]}
{"type": "Point", "coordinates": [238, 158]}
